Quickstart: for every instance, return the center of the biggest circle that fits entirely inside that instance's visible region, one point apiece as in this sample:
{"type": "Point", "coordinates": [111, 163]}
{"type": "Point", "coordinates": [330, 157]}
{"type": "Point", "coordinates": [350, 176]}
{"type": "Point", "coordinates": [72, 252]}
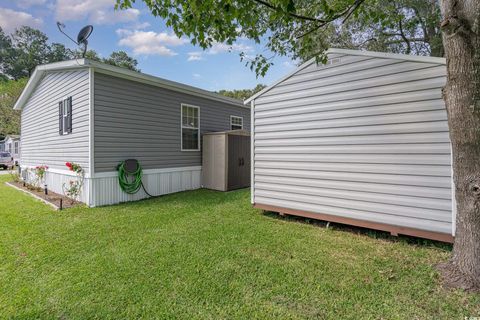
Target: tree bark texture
{"type": "Point", "coordinates": [461, 40]}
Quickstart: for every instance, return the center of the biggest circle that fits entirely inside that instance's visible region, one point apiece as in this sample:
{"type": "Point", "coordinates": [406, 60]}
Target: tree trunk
{"type": "Point", "coordinates": [460, 28]}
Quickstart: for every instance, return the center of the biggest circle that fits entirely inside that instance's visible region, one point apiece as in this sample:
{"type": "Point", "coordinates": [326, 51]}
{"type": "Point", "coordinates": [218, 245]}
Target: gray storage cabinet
{"type": "Point", "coordinates": [226, 160]}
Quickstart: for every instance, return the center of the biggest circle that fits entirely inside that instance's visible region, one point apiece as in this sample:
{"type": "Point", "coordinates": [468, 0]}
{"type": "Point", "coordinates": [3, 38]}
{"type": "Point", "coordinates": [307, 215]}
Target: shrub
{"type": "Point", "coordinates": [73, 188]}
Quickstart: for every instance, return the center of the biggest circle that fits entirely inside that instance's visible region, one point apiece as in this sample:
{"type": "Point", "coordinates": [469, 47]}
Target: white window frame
{"type": "Point", "coordinates": [65, 116]}
{"type": "Point", "coordinates": [231, 124]}
{"type": "Point", "coordinates": [182, 127]}
{"type": "Point", "coordinates": [15, 147]}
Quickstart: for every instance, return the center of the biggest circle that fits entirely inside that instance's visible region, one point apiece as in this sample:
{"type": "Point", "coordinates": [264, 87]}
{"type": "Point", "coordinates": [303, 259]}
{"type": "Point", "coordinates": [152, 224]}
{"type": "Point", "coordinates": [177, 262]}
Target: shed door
{"type": "Point", "coordinates": [238, 162]}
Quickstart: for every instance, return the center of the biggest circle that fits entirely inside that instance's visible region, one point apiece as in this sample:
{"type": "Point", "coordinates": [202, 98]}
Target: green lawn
{"type": "Point", "coordinates": [208, 255]}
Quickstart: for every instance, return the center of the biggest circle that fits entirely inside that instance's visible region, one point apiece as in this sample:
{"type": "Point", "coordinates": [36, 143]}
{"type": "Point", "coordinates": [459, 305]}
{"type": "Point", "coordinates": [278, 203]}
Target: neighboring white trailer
{"type": "Point", "coordinates": [361, 140]}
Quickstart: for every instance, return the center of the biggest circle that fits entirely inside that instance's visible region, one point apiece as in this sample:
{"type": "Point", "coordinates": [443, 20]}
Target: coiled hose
{"type": "Point", "coordinates": [131, 182]}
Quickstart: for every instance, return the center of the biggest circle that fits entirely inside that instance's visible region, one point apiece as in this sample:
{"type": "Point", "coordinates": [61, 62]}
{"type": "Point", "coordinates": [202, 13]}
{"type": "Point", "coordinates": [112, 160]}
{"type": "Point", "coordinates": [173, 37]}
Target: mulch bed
{"type": "Point", "coordinates": [52, 197]}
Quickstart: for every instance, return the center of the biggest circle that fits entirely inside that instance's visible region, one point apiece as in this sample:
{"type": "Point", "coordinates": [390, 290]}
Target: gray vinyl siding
{"type": "Point", "coordinates": [141, 121]}
{"type": "Point", "coordinates": [41, 143]}
{"type": "Point", "coordinates": [363, 138]}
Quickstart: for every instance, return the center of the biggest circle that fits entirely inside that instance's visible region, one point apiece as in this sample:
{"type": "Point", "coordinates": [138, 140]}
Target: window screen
{"type": "Point", "coordinates": [236, 123]}
{"type": "Point", "coordinates": [190, 128]}
{"type": "Point", "coordinates": [65, 116]}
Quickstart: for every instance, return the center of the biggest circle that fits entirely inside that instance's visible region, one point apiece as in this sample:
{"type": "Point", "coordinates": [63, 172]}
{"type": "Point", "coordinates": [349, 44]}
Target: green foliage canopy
{"type": "Point", "coordinates": [26, 48]}
{"type": "Point", "coordinates": [242, 94]}
{"type": "Point", "coordinates": [303, 28]}
{"type": "Point", "coordinates": [9, 118]}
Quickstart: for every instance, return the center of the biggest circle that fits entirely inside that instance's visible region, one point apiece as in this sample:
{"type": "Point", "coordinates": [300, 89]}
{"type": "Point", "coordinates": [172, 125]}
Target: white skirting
{"type": "Point", "coordinates": [55, 179]}
{"type": "Point", "coordinates": [104, 189]}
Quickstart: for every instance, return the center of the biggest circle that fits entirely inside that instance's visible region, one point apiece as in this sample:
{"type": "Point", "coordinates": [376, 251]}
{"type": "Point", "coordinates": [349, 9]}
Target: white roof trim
{"type": "Point", "coordinates": [398, 56]}
{"type": "Point", "coordinates": [118, 72]}
{"type": "Point", "coordinates": [384, 55]}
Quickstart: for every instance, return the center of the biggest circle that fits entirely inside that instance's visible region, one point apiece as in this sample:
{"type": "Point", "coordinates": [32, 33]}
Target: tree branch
{"type": "Point", "coordinates": [405, 39]}
{"type": "Point", "coordinates": [347, 12]}
{"type": "Point", "coordinates": [292, 14]}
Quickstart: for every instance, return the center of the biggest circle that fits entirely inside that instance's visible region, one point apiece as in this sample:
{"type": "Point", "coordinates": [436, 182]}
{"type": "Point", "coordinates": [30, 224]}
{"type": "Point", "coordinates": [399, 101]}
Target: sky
{"type": "Point", "coordinates": [157, 49]}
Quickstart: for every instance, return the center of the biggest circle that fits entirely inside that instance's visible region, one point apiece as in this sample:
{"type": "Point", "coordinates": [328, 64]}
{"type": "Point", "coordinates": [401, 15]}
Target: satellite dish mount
{"type": "Point", "coordinates": [82, 37]}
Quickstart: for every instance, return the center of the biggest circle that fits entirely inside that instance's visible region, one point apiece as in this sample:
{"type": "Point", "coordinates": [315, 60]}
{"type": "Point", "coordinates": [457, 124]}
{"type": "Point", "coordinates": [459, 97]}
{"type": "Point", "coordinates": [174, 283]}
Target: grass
{"type": "Point", "coordinates": [205, 255]}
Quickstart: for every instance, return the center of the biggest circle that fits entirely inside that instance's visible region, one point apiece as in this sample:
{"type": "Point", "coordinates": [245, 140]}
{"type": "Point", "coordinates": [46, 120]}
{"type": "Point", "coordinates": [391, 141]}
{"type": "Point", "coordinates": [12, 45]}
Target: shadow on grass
{"type": "Point", "coordinates": [191, 197]}
{"type": "Point", "coordinates": [374, 234]}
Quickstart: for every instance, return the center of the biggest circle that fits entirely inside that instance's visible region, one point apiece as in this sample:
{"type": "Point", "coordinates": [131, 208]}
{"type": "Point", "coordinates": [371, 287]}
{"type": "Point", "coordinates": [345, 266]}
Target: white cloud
{"type": "Point", "coordinates": [11, 20]}
{"type": "Point", "coordinates": [30, 3]}
{"type": "Point", "coordinates": [195, 56]}
{"type": "Point", "coordinates": [196, 75]}
{"type": "Point", "coordinates": [96, 11]}
{"type": "Point", "coordinates": [218, 48]}
{"type": "Point", "coordinates": [149, 42]}
{"type": "Point", "coordinates": [222, 47]}
{"type": "Point", "coordinates": [289, 64]}
{"type": "Point", "coordinates": [140, 25]}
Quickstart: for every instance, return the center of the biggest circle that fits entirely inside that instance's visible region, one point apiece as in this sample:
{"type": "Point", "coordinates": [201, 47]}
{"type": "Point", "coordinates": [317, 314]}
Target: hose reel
{"type": "Point", "coordinates": [130, 176]}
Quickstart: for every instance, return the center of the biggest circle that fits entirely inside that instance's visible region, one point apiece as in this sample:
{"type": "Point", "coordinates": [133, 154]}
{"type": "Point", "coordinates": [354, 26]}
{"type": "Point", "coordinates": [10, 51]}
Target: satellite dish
{"type": "Point", "coordinates": [82, 37]}
{"type": "Point", "coordinates": [84, 34]}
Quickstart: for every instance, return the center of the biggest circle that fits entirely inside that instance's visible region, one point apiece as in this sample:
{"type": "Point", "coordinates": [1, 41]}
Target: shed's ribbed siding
{"type": "Point", "coordinates": [136, 120]}
{"type": "Point", "coordinates": [363, 138]}
{"type": "Point", "coordinates": [41, 142]}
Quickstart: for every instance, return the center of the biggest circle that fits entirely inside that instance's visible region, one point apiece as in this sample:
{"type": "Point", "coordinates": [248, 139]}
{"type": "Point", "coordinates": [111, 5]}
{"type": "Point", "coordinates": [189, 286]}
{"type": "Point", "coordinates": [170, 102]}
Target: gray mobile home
{"type": "Point", "coordinates": [360, 140]}
{"type": "Point", "coordinates": [97, 115]}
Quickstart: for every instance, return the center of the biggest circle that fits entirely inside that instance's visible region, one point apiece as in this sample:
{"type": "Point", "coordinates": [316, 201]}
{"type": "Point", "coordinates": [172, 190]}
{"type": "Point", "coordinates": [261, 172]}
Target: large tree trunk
{"type": "Point", "coordinates": [460, 27]}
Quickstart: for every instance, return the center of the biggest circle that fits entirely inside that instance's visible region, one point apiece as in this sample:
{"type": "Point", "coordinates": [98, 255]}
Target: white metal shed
{"type": "Point", "coordinates": [361, 140]}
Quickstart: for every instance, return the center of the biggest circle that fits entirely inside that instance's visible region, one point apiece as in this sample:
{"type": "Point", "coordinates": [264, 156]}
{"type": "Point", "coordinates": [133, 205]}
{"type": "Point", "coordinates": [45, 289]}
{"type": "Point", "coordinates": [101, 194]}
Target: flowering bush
{"type": "Point", "coordinates": [73, 188]}
{"type": "Point", "coordinates": [72, 166]}
{"type": "Point", "coordinates": [40, 174]}
{"type": "Point", "coordinates": [15, 176]}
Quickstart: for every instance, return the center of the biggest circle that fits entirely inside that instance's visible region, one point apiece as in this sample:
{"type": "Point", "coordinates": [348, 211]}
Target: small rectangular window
{"type": "Point", "coordinates": [65, 116]}
{"type": "Point", "coordinates": [190, 128]}
{"type": "Point", "coordinates": [236, 123]}
{"type": "Point", "coordinates": [16, 147]}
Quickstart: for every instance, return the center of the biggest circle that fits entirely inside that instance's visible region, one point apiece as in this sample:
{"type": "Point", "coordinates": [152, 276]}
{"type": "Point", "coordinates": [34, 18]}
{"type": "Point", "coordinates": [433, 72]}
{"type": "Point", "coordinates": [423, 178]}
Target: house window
{"type": "Point", "coordinates": [236, 123]}
{"type": "Point", "coordinates": [10, 148]}
{"type": "Point", "coordinates": [65, 116]}
{"type": "Point", "coordinates": [190, 128]}
{"type": "Point", "coordinates": [16, 147]}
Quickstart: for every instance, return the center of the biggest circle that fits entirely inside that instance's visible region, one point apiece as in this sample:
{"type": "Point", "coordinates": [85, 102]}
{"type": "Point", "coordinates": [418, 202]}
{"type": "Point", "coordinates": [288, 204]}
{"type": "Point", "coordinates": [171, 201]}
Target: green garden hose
{"type": "Point", "coordinates": [130, 181]}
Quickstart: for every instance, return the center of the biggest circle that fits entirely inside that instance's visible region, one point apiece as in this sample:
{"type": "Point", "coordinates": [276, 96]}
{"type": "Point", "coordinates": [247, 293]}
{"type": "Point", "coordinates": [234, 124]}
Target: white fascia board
{"type": "Point", "coordinates": [406, 57]}
{"type": "Point", "coordinates": [38, 75]}
{"type": "Point", "coordinates": [398, 56]}
{"type": "Point", "coordinates": [31, 84]}
{"type": "Point", "coordinates": [264, 90]}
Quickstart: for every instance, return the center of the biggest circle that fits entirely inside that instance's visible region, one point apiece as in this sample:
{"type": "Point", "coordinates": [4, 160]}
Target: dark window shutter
{"type": "Point", "coordinates": [60, 117]}
{"type": "Point", "coordinates": [69, 119]}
